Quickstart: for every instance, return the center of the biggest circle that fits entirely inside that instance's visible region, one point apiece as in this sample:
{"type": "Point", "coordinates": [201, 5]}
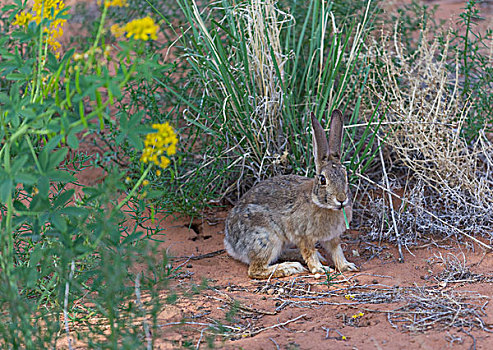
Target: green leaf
{"type": "Point", "coordinates": [18, 163]}
{"type": "Point", "coordinates": [19, 206]}
{"type": "Point", "coordinates": [52, 144]}
{"type": "Point", "coordinates": [63, 198]}
{"type": "Point", "coordinates": [25, 178]}
{"type": "Point", "coordinates": [57, 157]}
{"type": "Point", "coordinates": [16, 76]}
{"type": "Point", "coordinates": [6, 187]}
{"type": "Point", "coordinates": [74, 211]}
{"type": "Point", "coordinates": [36, 255]}
{"type": "Point", "coordinates": [59, 222]}
{"type": "Point", "coordinates": [61, 176]}
{"type": "Point", "coordinates": [43, 186]}
{"type": "Point", "coordinates": [135, 141]}
{"type": "Point", "coordinates": [72, 141]}
{"type": "Point", "coordinates": [4, 98]}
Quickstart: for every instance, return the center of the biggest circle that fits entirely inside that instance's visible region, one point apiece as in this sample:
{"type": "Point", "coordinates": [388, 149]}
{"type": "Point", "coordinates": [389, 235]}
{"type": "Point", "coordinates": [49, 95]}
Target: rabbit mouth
{"type": "Point", "coordinates": [326, 205]}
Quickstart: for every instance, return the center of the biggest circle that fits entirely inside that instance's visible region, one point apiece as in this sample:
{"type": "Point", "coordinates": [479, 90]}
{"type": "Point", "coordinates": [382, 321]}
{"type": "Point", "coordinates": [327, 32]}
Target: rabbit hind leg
{"type": "Point", "coordinates": [259, 269]}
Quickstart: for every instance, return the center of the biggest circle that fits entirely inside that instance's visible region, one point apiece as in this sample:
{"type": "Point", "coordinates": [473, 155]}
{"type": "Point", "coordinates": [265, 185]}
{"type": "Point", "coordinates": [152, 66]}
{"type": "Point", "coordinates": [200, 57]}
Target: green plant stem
{"type": "Point", "coordinates": [33, 152]}
{"type": "Point", "coordinates": [35, 91]}
{"type": "Point", "coordinates": [466, 46]}
{"type": "Point", "coordinates": [98, 36]}
{"type": "Point", "coordinates": [7, 261]}
{"type": "Point", "coordinates": [132, 192]}
{"type": "Point", "coordinates": [22, 129]}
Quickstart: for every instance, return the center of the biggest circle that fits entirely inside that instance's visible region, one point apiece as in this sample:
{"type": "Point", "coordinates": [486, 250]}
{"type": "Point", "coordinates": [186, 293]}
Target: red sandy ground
{"type": "Point", "coordinates": [228, 278]}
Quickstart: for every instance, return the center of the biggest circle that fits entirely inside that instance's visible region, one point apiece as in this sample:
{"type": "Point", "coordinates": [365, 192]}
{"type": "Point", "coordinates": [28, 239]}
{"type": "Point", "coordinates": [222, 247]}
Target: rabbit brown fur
{"type": "Point", "coordinates": [294, 210]}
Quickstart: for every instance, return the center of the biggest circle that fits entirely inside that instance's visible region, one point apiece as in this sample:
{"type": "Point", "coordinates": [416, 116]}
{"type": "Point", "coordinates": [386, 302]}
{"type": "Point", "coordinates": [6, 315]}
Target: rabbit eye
{"type": "Point", "coordinates": [323, 180]}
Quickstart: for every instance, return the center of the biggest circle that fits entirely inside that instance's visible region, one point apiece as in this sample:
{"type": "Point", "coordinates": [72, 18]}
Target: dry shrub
{"type": "Point", "coordinates": [264, 22]}
{"type": "Point", "coordinates": [426, 114]}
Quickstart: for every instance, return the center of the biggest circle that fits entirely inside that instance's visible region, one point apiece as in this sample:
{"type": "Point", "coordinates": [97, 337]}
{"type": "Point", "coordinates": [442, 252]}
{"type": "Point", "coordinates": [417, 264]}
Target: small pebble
{"type": "Point", "coordinates": [228, 289]}
{"type": "Point", "coordinates": [281, 290]}
{"type": "Point", "coordinates": [316, 276]}
{"type": "Point", "coordinates": [270, 291]}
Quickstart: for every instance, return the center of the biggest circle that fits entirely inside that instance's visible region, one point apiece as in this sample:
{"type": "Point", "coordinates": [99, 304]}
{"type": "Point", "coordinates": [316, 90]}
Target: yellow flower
{"type": "Point", "coordinates": [142, 29]}
{"type": "Point", "coordinates": [157, 144]}
{"type": "Point", "coordinates": [117, 31]}
{"type": "Point", "coordinates": [145, 183]}
{"type": "Point", "coordinates": [50, 9]}
{"type": "Point", "coordinates": [77, 56]}
{"type": "Point", "coordinates": [158, 173]}
{"type": "Point", "coordinates": [22, 19]}
{"type": "Point", "coordinates": [116, 3]}
{"type": "Point", "coordinates": [349, 296]}
{"type": "Point", "coordinates": [343, 337]}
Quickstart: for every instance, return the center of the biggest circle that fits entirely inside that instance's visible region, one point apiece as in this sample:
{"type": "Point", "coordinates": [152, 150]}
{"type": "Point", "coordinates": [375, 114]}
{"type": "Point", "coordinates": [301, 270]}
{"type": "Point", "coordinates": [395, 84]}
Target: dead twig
{"type": "Point", "coordinates": [275, 325]}
{"type": "Point", "coordinates": [202, 256]}
{"type": "Point", "coordinates": [391, 206]}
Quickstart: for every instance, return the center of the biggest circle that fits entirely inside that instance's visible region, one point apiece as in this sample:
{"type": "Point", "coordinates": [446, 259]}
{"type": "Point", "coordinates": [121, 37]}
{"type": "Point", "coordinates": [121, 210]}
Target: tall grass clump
{"type": "Point", "coordinates": [69, 255]}
{"type": "Point", "coordinates": [255, 70]}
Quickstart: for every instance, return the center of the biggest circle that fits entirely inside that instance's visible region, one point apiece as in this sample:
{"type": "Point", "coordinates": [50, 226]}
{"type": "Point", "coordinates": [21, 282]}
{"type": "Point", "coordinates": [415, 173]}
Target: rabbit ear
{"type": "Point", "coordinates": [320, 144]}
{"type": "Point", "coordinates": [335, 134]}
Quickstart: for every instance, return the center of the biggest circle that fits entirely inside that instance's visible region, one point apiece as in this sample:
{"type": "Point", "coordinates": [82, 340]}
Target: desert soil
{"type": "Point", "coordinates": [296, 312]}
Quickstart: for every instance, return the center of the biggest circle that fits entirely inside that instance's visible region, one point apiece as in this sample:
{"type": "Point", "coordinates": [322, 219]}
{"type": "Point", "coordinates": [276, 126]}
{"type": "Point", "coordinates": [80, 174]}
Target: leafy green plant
{"type": "Point", "coordinates": [67, 249]}
{"type": "Point", "coordinates": [473, 48]}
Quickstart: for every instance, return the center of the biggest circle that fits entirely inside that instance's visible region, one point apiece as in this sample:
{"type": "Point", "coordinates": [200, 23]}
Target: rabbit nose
{"type": "Point", "coordinates": [341, 197]}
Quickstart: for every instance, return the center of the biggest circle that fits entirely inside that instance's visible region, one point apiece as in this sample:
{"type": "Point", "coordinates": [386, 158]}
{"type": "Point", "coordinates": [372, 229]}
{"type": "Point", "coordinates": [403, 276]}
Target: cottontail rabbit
{"type": "Point", "coordinates": [294, 210]}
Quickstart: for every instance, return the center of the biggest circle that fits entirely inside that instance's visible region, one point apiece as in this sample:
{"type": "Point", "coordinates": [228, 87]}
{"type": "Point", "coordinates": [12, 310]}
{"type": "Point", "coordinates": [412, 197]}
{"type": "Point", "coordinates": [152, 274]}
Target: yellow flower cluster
{"type": "Point", "coordinates": [115, 3]}
{"type": "Point", "coordinates": [50, 9]}
{"type": "Point", "coordinates": [45, 9]}
{"type": "Point", "coordinates": [117, 31]}
{"type": "Point", "coordinates": [140, 29]}
{"type": "Point", "coordinates": [358, 315]}
{"type": "Point", "coordinates": [22, 19]}
{"type": "Point", "coordinates": [349, 296]}
{"type": "Point", "coordinates": [159, 145]}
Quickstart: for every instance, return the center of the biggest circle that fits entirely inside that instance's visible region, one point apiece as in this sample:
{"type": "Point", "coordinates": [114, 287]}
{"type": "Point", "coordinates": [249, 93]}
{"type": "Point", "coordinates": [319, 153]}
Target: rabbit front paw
{"type": "Point", "coordinates": [319, 269]}
{"type": "Point", "coordinates": [291, 268]}
{"type": "Point", "coordinates": [348, 266]}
